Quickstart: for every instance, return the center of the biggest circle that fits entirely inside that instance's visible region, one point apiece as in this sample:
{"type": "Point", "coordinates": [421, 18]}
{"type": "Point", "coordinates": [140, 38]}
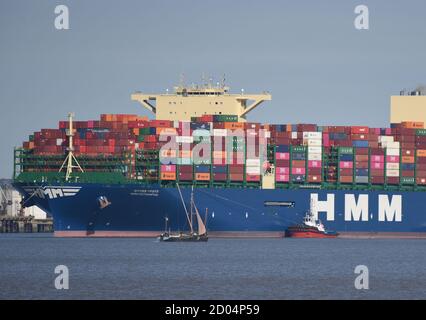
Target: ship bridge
{"type": "Point", "coordinates": [195, 101]}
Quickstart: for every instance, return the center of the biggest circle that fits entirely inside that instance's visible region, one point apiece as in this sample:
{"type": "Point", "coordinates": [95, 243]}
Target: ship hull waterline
{"type": "Point", "coordinates": [136, 210]}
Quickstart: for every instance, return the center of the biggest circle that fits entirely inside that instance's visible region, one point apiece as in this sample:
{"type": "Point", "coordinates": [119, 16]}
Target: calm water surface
{"type": "Point", "coordinates": [219, 269]}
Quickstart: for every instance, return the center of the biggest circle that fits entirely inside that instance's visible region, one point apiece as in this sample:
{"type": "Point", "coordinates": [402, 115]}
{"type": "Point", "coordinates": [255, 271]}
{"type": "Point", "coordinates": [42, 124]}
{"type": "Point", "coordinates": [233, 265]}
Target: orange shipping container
{"type": "Point", "coordinates": [421, 153]}
{"type": "Point", "coordinates": [234, 125]}
{"type": "Point", "coordinates": [298, 163]}
{"type": "Point", "coordinates": [407, 159]}
{"type": "Point", "coordinates": [168, 153]}
{"type": "Point", "coordinates": [168, 176]}
{"type": "Point", "coordinates": [413, 125]}
{"type": "Point", "coordinates": [202, 176]}
{"type": "Point", "coordinates": [170, 131]}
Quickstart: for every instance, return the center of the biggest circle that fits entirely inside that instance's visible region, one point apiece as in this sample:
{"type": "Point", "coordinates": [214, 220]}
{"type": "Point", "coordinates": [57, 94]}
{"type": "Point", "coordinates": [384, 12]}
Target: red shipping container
{"type": "Point", "coordinates": [185, 168]}
{"type": "Point", "coordinates": [282, 155]}
{"type": "Point", "coordinates": [421, 174]}
{"type": "Point", "coordinates": [361, 158]}
{"type": "Point", "coordinates": [284, 163]}
{"type": "Point", "coordinates": [393, 159]}
{"type": "Point", "coordinates": [236, 168]}
{"type": "Point", "coordinates": [236, 176]}
{"type": "Point", "coordinates": [363, 136]}
{"type": "Point", "coordinates": [346, 172]}
{"type": "Point", "coordinates": [377, 179]}
{"type": "Point", "coordinates": [168, 168]}
{"type": "Point", "coordinates": [392, 180]}
{"type": "Point", "coordinates": [314, 164]}
{"type": "Point", "coordinates": [407, 173]}
{"type": "Point", "coordinates": [185, 176]}
{"type": "Point", "coordinates": [377, 172]}
{"type": "Point", "coordinates": [282, 178]}
{"type": "Point", "coordinates": [360, 129]}
{"type": "Point", "coordinates": [377, 158]}
{"type": "Point", "coordinates": [252, 177]}
{"type": "Point", "coordinates": [377, 165]}
{"type": "Point", "coordinates": [421, 180]}
{"type": "Point", "coordinates": [282, 170]}
{"type": "Point", "coordinates": [346, 164]}
{"type": "Point", "coordinates": [420, 167]}
{"type": "Point", "coordinates": [361, 165]}
{"type": "Point", "coordinates": [297, 164]}
{"type": "Point", "coordinates": [296, 170]}
{"type": "Point", "coordinates": [346, 179]}
{"type": "Point", "coordinates": [314, 171]}
{"type": "Point", "coordinates": [361, 151]}
{"type": "Point", "coordinates": [219, 176]}
{"type": "Point", "coordinates": [314, 179]}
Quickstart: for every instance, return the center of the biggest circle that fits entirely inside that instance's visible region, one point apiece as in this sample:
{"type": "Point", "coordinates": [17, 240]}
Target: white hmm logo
{"type": "Point", "coordinates": [62, 20]}
{"type": "Point", "coordinates": [362, 281]}
{"type": "Point", "coordinates": [62, 280]}
{"type": "Point", "coordinates": [359, 210]}
{"type": "Point", "coordinates": [52, 192]}
{"type": "Point", "coordinates": [362, 20]}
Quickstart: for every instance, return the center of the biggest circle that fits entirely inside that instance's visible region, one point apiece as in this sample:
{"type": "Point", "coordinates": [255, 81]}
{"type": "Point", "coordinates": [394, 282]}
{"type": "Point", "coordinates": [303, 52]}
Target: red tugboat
{"type": "Point", "coordinates": [310, 228]}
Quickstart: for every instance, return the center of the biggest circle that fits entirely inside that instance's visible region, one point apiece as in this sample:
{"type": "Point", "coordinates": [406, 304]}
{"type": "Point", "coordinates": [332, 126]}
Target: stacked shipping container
{"type": "Point", "coordinates": [302, 154]}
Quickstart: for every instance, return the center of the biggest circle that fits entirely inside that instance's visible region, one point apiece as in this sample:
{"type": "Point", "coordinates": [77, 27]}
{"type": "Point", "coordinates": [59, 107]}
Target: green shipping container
{"type": "Point", "coordinates": [407, 180]}
{"type": "Point", "coordinates": [299, 149]}
{"type": "Point", "coordinates": [141, 138]}
{"type": "Point", "coordinates": [144, 131]}
{"type": "Point", "coordinates": [346, 150]}
{"type": "Point", "coordinates": [421, 132]}
{"type": "Point", "coordinates": [226, 118]}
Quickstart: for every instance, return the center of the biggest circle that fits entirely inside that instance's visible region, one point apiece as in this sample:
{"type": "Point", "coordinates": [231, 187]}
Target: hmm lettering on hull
{"type": "Point", "coordinates": [358, 209]}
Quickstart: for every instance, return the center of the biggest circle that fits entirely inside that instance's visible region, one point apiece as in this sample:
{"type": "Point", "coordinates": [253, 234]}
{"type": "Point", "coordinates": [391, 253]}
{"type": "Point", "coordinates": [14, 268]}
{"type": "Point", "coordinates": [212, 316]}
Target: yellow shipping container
{"type": "Point", "coordinates": [202, 176]}
{"type": "Point", "coordinates": [421, 153]}
{"type": "Point", "coordinates": [407, 159]}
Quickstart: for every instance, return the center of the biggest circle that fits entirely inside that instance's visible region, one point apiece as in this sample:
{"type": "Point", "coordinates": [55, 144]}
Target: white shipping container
{"type": "Point", "coordinates": [176, 124]}
{"type": "Point", "coordinates": [59, 142]}
{"type": "Point", "coordinates": [392, 145]}
{"type": "Point", "coordinates": [314, 150]}
{"type": "Point", "coordinates": [392, 173]}
{"type": "Point", "coordinates": [220, 132]}
{"type": "Point", "coordinates": [267, 134]}
{"type": "Point", "coordinates": [201, 133]}
{"type": "Point", "coordinates": [312, 135]}
{"type": "Point", "coordinates": [315, 156]}
{"type": "Point", "coordinates": [253, 162]}
{"type": "Point", "coordinates": [392, 151]}
{"type": "Point", "coordinates": [253, 170]}
{"type": "Point", "coordinates": [314, 143]}
{"type": "Point", "coordinates": [385, 138]}
{"type": "Point", "coordinates": [294, 135]}
{"type": "Point", "coordinates": [184, 139]}
{"type": "Point", "coordinates": [392, 166]}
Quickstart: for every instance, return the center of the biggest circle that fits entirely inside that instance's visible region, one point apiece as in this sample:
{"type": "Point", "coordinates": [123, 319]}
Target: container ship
{"type": "Point", "coordinates": [123, 175]}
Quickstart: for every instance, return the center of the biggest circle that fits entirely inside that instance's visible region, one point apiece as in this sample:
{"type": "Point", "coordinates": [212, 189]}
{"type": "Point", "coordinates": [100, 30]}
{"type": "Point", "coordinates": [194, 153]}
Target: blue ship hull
{"type": "Point", "coordinates": [140, 210]}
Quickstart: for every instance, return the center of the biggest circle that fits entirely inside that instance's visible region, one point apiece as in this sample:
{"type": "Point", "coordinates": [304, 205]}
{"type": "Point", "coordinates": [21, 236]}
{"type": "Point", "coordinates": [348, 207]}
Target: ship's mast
{"type": "Point", "coordinates": [70, 159]}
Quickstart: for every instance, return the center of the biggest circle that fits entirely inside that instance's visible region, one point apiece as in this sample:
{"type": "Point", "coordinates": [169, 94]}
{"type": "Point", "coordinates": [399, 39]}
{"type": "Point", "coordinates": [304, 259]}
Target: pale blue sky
{"type": "Point", "coordinates": [308, 54]}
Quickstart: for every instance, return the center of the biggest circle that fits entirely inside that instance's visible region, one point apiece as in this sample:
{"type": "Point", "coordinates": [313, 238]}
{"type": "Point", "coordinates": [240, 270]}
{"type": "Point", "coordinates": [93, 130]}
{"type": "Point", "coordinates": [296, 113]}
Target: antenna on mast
{"type": "Point", "coordinates": [182, 80]}
{"type": "Point", "coordinates": [70, 159]}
